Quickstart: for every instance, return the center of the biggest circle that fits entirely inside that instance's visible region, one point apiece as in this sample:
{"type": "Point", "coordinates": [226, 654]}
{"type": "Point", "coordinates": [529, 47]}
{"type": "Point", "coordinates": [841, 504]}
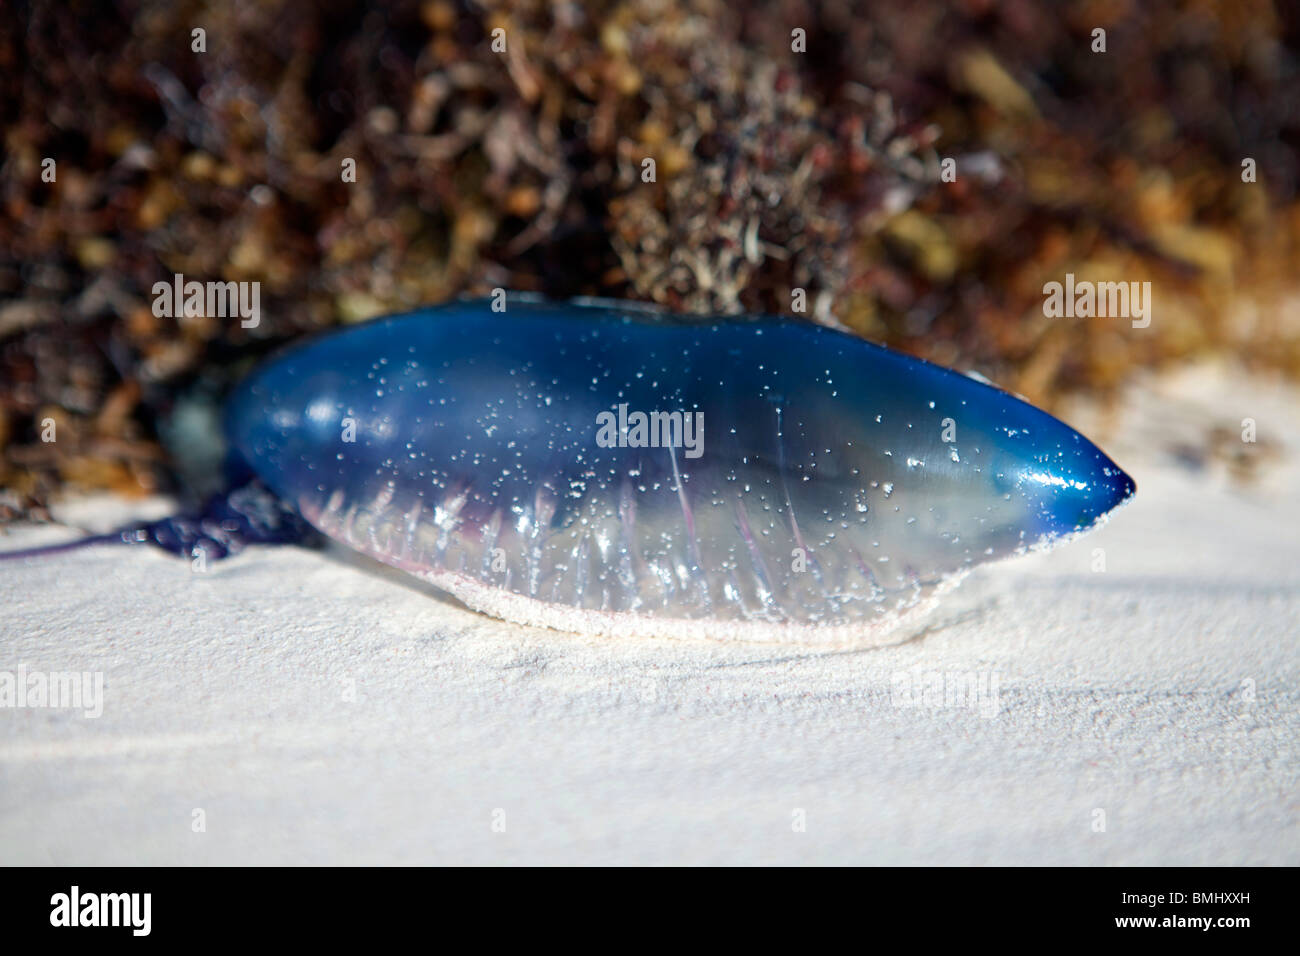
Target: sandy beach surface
{"type": "Point", "coordinates": [1130, 698]}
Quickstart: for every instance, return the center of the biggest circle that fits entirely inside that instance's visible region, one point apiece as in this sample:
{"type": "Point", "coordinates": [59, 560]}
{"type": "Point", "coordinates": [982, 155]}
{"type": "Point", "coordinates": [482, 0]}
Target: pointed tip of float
{"type": "Point", "coordinates": [1094, 488]}
{"type": "Point", "coordinates": [1109, 486]}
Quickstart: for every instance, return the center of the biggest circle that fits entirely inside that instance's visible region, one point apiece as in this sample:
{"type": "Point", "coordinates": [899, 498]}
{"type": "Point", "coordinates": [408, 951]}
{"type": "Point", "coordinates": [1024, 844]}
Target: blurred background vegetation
{"type": "Point", "coordinates": [776, 170]}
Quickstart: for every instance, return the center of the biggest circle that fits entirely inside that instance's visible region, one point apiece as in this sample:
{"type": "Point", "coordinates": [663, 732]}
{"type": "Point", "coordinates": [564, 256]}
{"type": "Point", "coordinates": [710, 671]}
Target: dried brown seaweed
{"type": "Point", "coordinates": [796, 152]}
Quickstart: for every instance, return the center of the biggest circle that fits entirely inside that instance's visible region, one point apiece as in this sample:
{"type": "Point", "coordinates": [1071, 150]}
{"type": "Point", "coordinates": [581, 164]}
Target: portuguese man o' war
{"type": "Point", "coordinates": [800, 483]}
{"type": "Point", "coordinates": [606, 468]}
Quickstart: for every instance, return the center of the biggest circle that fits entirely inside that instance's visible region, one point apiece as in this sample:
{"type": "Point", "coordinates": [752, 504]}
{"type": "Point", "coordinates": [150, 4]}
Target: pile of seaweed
{"type": "Point", "coordinates": [800, 162]}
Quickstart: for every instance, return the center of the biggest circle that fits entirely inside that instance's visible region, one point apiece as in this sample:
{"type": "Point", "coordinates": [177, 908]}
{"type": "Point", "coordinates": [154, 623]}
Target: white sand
{"type": "Point", "coordinates": [1162, 692]}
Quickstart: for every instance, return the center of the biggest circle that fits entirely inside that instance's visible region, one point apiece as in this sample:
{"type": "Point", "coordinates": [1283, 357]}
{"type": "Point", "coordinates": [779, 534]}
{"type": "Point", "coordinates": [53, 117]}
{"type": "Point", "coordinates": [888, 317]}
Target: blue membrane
{"type": "Point", "coordinates": [827, 486]}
